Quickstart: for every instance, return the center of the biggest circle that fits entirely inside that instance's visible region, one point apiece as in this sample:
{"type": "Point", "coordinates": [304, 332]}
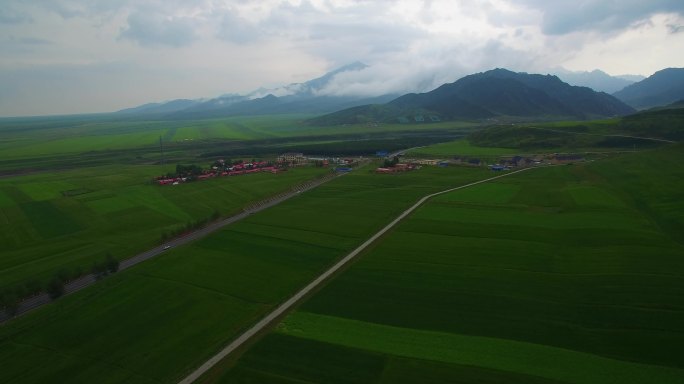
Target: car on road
{"type": "Point", "coordinates": [166, 247]}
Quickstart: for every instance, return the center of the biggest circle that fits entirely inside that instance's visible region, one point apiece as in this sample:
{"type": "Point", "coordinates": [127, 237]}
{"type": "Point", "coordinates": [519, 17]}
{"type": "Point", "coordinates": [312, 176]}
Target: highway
{"type": "Point", "coordinates": [289, 304]}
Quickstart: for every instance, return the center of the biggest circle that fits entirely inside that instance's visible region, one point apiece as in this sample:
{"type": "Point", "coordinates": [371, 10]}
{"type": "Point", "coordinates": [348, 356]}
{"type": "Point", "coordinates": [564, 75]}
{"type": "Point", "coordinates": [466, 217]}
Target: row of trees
{"type": "Point", "coordinates": [189, 227]}
{"type": "Point", "coordinates": [11, 297]}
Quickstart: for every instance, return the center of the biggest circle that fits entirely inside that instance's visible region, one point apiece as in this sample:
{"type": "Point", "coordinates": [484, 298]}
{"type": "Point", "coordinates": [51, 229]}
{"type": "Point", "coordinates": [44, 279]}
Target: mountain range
{"type": "Point", "coordinates": [485, 95]}
{"type": "Point", "coordinates": [596, 79]}
{"type": "Point", "coordinates": [292, 98]}
{"type": "Point", "coordinates": [661, 88]}
{"type": "Point", "coordinates": [492, 94]}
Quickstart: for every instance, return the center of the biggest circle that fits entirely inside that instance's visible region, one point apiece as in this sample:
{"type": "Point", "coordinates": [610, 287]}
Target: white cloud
{"type": "Point", "coordinates": [150, 29]}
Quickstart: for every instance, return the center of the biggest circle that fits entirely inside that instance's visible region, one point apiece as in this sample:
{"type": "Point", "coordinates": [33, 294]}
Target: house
{"type": "Point", "coordinates": [292, 158]}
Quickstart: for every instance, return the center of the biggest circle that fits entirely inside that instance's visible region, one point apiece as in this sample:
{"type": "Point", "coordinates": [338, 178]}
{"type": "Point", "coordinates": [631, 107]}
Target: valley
{"type": "Point", "coordinates": [563, 267]}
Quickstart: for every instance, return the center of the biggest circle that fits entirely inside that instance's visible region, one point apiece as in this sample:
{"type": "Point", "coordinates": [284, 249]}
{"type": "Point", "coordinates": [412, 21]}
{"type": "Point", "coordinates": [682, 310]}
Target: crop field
{"type": "Point", "coordinates": [74, 142]}
{"type": "Point", "coordinates": [568, 274]}
{"type": "Point", "coordinates": [161, 319]}
{"type": "Point", "coordinates": [33, 137]}
{"type": "Point", "coordinates": [602, 136]}
{"type": "Point", "coordinates": [460, 147]}
{"type": "Point", "coordinates": [69, 219]}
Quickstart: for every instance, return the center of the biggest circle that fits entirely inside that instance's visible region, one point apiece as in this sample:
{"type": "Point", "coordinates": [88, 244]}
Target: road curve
{"type": "Point", "coordinates": [287, 305]}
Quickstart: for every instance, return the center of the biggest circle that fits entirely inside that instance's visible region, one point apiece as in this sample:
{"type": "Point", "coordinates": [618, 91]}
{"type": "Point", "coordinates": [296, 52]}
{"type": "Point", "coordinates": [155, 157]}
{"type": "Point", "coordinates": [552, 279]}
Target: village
{"type": "Point", "coordinates": [396, 164]}
{"type": "Point", "coordinates": [223, 168]}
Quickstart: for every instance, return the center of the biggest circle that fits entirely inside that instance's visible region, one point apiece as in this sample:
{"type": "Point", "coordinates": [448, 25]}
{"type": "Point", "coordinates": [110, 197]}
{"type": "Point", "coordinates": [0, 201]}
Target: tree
{"type": "Point", "coordinates": [55, 287]}
{"type": "Point", "coordinates": [111, 264]}
{"type": "Point", "coordinates": [10, 301]}
{"type": "Point", "coordinates": [391, 163]}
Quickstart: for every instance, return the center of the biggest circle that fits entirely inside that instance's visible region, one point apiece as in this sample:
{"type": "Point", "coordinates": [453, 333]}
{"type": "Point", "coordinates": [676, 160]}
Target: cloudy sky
{"type": "Point", "coordinates": [74, 56]}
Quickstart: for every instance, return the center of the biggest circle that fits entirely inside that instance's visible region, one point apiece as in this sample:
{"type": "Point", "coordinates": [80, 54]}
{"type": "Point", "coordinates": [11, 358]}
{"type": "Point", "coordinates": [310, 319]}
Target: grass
{"type": "Point", "coordinates": [490, 353]}
{"type": "Point", "coordinates": [460, 147]}
{"type": "Point", "coordinates": [564, 274]}
{"type": "Point", "coordinates": [587, 136]}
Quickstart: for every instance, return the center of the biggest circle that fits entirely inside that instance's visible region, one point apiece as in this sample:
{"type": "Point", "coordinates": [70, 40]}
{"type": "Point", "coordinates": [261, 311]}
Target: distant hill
{"type": "Point", "coordinates": [160, 108]}
{"type": "Point", "coordinates": [597, 80]}
{"type": "Point", "coordinates": [491, 94]}
{"type": "Point", "coordinates": [666, 122]}
{"type": "Point", "coordinates": [662, 88]}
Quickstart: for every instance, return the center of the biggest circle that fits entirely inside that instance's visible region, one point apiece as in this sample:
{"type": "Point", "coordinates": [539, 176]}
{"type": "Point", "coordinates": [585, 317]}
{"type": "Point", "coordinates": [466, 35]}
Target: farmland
{"type": "Point", "coordinates": [576, 268]}
{"type": "Point", "coordinates": [161, 319]}
{"type": "Point", "coordinates": [69, 142]}
{"type": "Point", "coordinates": [68, 220]}
{"type": "Point", "coordinates": [563, 274]}
{"type": "Point", "coordinates": [76, 188]}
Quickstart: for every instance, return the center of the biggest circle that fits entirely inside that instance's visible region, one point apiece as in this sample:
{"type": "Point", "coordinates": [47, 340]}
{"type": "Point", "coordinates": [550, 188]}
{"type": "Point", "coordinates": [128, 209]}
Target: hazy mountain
{"type": "Point", "coordinates": [293, 98]}
{"type": "Point", "coordinates": [661, 88]}
{"type": "Point", "coordinates": [632, 78]}
{"type": "Point", "coordinates": [309, 88]}
{"type": "Point", "coordinates": [161, 108]}
{"type": "Point", "coordinates": [596, 79]}
{"type": "Point", "coordinates": [490, 94]}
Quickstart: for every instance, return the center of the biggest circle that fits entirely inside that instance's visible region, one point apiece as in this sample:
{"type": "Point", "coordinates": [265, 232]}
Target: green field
{"type": "Point", "coordinates": [460, 147]}
{"type": "Point", "coordinates": [159, 320]}
{"type": "Point", "coordinates": [70, 219]}
{"type": "Point", "coordinates": [578, 136]}
{"type": "Point", "coordinates": [569, 274]}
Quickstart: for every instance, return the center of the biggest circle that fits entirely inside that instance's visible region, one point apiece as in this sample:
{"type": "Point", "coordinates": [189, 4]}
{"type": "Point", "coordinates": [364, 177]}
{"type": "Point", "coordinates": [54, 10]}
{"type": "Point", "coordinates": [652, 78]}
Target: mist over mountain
{"type": "Point", "coordinates": [307, 97]}
{"type": "Point", "coordinates": [161, 108]}
{"type": "Point", "coordinates": [491, 94]}
{"type": "Point", "coordinates": [662, 88]}
{"type": "Point", "coordinates": [596, 79]}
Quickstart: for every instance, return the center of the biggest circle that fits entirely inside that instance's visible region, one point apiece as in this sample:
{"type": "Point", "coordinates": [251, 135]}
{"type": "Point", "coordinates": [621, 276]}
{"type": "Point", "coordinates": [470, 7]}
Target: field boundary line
{"type": "Point", "coordinates": [287, 305]}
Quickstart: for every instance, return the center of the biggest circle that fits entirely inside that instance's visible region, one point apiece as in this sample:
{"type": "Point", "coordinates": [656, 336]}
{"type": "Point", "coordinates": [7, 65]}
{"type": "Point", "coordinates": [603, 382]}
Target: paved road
{"type": "Point", "coordinates": [84, 281]}
{"type": "Point", "coordinates": [286, 306]}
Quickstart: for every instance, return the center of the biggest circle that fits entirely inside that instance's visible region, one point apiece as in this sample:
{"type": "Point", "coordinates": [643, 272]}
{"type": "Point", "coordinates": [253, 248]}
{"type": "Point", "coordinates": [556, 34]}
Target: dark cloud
{"type": "Point", "coordinates": [8, 15]}
{"type": "Point", "coordinates": [149, 29]}
{"type": "Point", "coordinates": [598, 15]}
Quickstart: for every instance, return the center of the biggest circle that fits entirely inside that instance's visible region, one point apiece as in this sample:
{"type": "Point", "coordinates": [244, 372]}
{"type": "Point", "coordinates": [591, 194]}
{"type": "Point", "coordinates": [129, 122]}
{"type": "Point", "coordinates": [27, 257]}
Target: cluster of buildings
{"type": "Point", "coordinates": [499, 164]}
{"type": "Point", "coordinates": [399, 167]}
{"type": "Point", "coordinates": [297, 159]}
{"type": "Point", "coordinates": [220, 168]}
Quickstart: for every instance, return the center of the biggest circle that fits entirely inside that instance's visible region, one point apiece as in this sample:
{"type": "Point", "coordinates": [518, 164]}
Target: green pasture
{"type": "Point", "coordinates": [567, 274]}
{"type": "Point", "coordinates": [197, 297]}
{"type": "Point", "coordinates": [551, 363]}
{"type": "Point", "coordinates": [460, 147]}
{"type": "Point", "coordinates": [70, 219]}
{"type": "Point", "coordinates": [564, 136]}
{"type": "Point", "coordinates": [33, 138]}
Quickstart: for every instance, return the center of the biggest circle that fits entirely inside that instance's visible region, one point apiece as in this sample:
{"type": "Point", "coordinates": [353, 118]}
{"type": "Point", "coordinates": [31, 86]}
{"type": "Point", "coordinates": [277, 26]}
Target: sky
{"type": "Point", "coordinates": [85, 56]}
